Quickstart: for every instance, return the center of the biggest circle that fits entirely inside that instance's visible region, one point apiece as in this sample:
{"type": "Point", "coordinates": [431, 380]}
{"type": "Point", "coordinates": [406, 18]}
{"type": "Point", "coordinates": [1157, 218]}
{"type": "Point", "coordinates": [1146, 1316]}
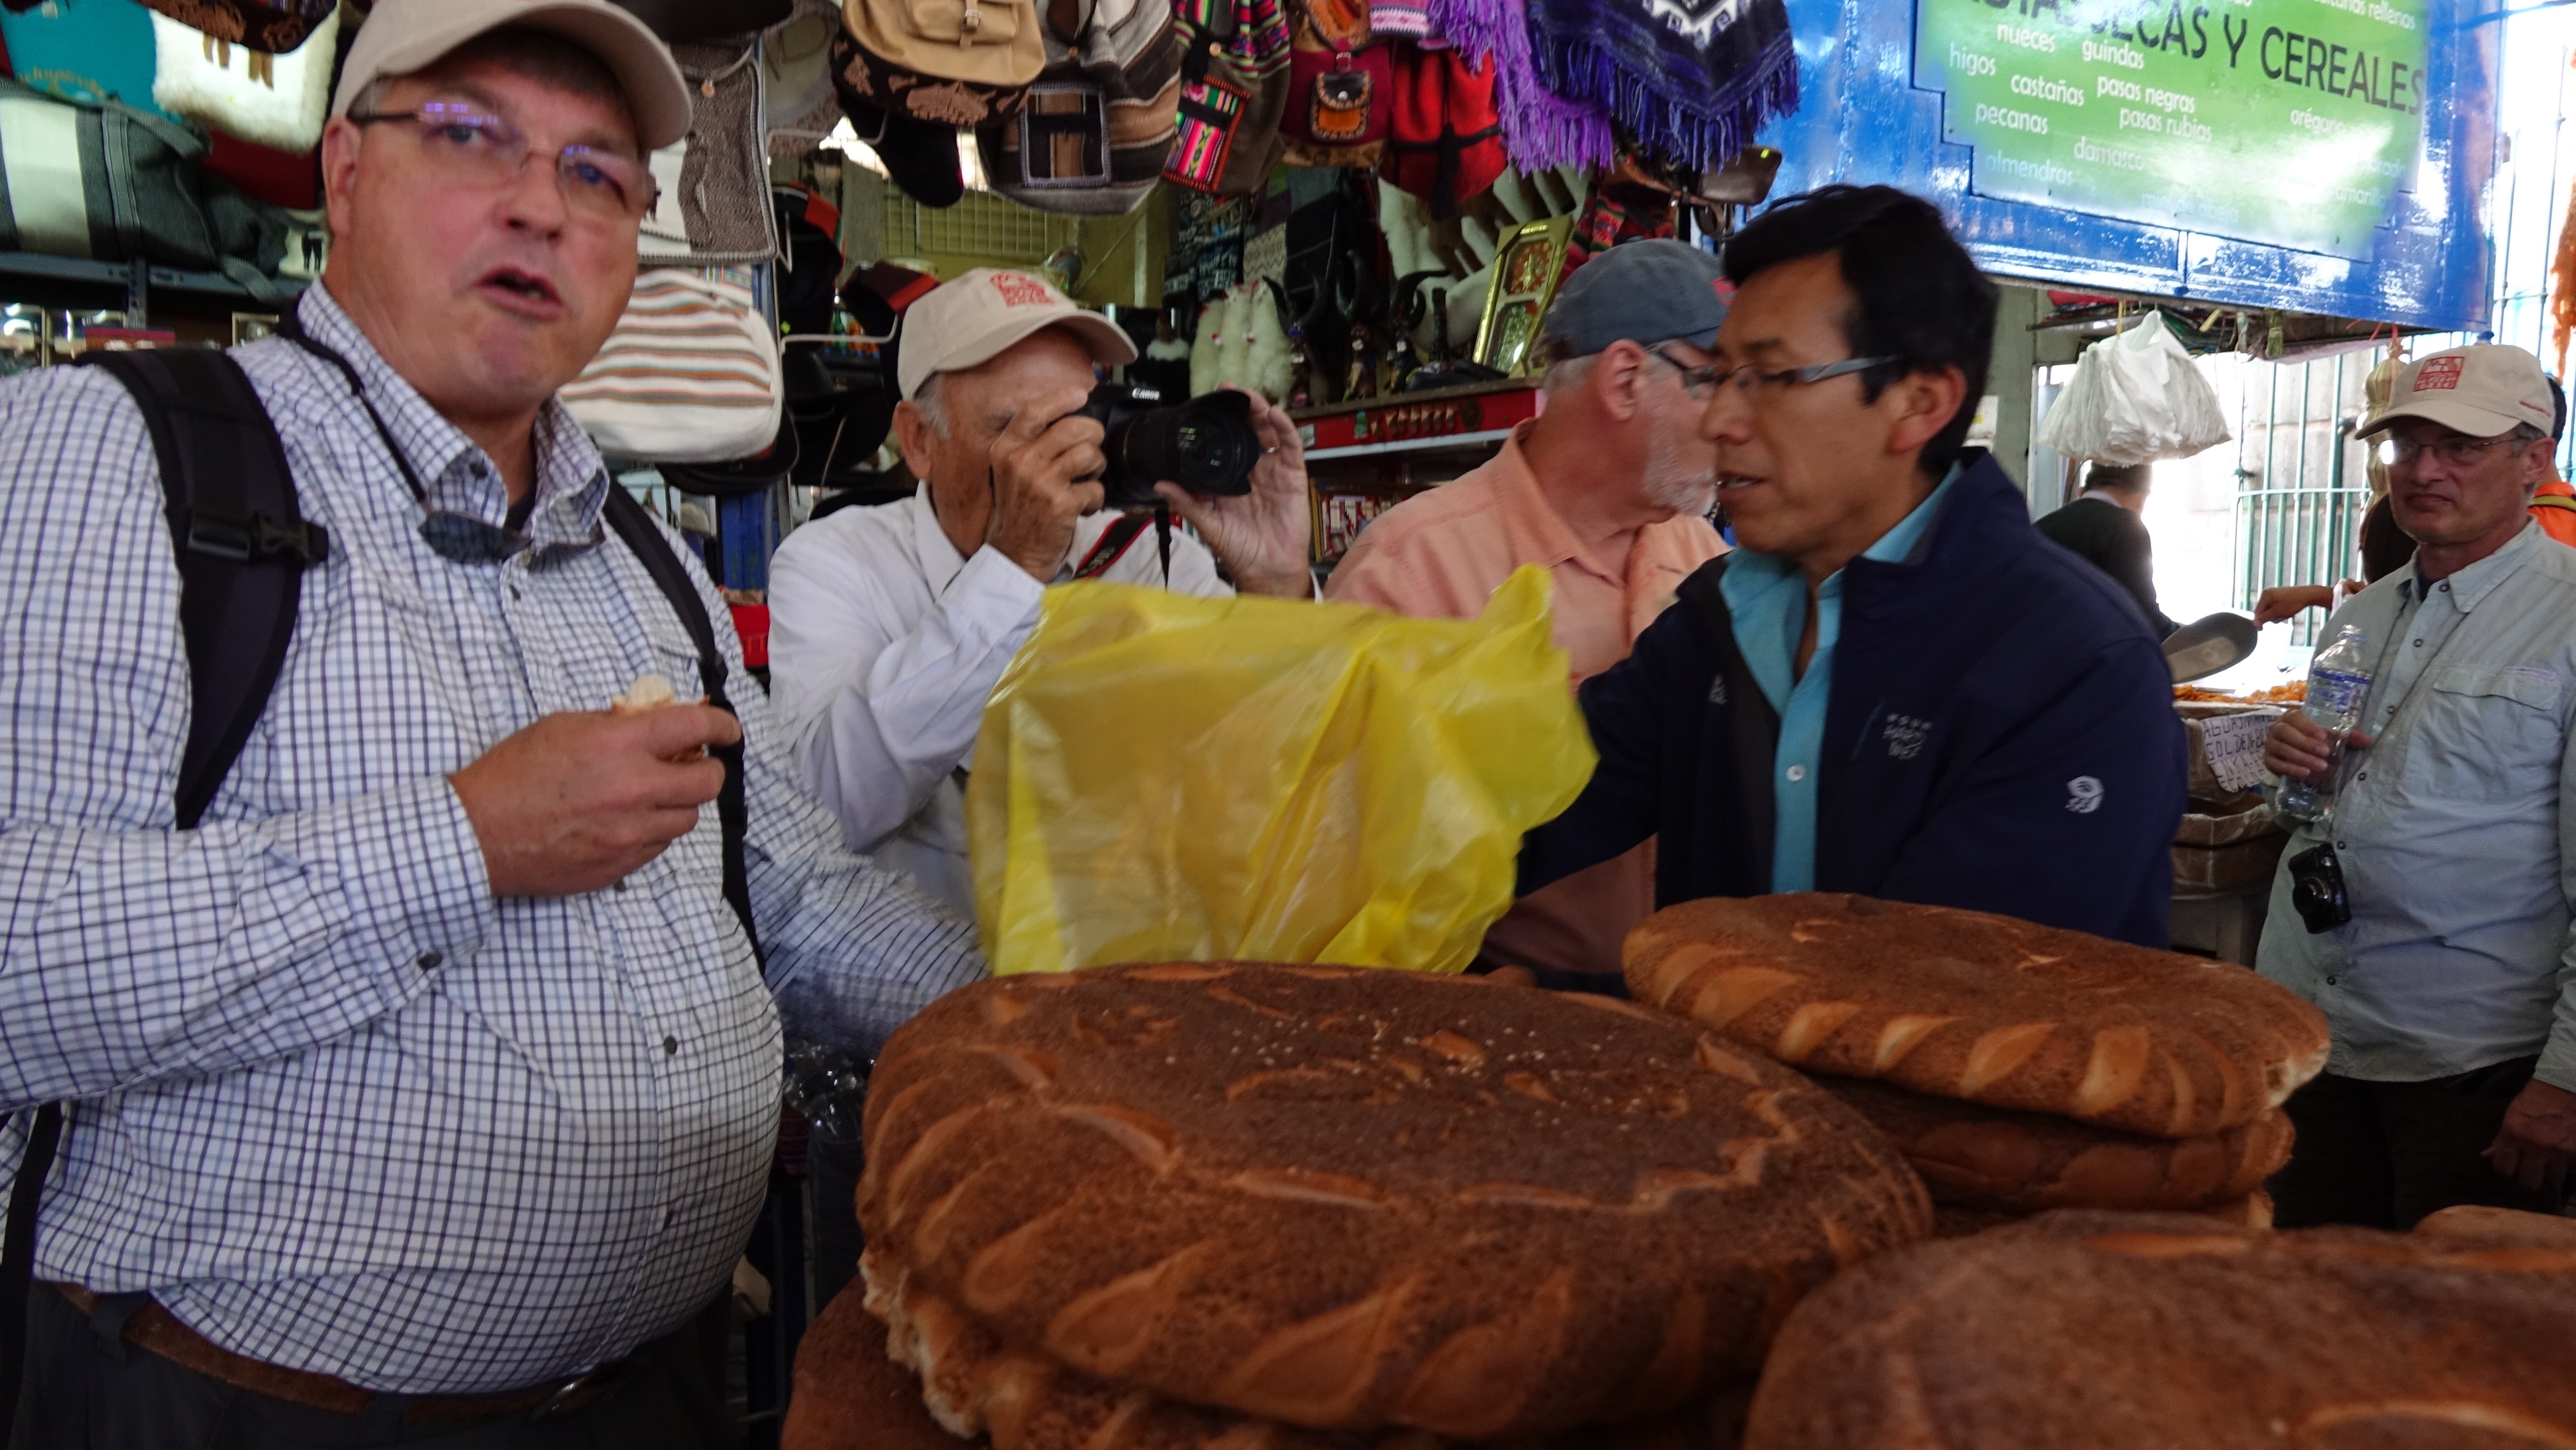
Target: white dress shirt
{"type": "Point", "coordinates": [332, 1104]}
{"type": "Point", "coordinates": [884, 646]}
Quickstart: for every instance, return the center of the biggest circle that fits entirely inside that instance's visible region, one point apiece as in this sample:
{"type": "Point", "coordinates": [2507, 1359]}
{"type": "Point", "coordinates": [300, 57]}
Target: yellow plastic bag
{"type": "Point", "coordinates": [1163, 778]}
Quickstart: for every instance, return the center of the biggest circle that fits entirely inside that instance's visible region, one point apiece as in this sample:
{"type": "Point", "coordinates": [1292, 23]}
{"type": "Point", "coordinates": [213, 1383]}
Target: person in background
{"type": "Point", "coordinates": [2105, 529]}
{"type": "Point", "coordinates": [1608, 489]}
{"type": "Point", "coordinates": [2451, 988]}
{"type": "Point", "coordinates": [890, 625]}
{"type": "Point", "coordinates": [428, 1089]}
{"type": "Point", "coordinates": [2385, 548]}
{"type": "Point", "coordinates": [1894, 686]}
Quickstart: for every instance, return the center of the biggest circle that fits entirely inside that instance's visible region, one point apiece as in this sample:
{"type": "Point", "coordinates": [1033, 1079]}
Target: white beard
{"type": "Point", "coordinates": [1681, 477]}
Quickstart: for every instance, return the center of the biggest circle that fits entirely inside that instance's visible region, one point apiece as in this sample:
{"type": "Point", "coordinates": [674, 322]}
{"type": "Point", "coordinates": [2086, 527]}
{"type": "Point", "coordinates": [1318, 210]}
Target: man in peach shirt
{"type": "Point", "coordinates": [1608, 489]}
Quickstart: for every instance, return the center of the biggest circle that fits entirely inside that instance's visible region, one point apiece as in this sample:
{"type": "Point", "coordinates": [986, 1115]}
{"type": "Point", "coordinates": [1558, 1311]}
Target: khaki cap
{"type": "Point", "coordinates": [403, 36]}
{"type": "Point", "coordinates": [2483, 390]}
{"type": "Point", "coordinates": [974, 317]}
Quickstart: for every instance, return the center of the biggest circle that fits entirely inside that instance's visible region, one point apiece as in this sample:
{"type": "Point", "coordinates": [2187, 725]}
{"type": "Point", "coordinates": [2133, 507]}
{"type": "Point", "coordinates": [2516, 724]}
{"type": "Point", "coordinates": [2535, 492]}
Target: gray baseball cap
{"type": "Point", "coordinates": [1650, 291]}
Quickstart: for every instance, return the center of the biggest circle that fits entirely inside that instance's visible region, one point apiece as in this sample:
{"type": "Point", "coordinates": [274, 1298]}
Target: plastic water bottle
{"type": "Point", "coordinates": [2338, 690]}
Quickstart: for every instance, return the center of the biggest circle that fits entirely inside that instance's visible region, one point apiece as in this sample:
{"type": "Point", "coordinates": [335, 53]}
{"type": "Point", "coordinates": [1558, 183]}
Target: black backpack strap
{"type": "Point", "coordinates": [242, 545]}
{"type": "Point", "coordinates": [242, 548]}
{"type": "Point", "coordinates": [631, 523]}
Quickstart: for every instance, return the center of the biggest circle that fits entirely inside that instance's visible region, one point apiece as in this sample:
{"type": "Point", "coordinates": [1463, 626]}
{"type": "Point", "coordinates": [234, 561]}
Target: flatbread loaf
{"type": "Point", "coordinates": [1349, 1199]}
{"type": "Point", "coordinates": [1949, 1221]}
{"type": "Point", "coordinates": [849, 1395]}
{"type": "Point", "coordinates": [1017, 1399]}
{"type": "Point", "coordinates": [1990, 1009]}
{"type": "Point", "coordinates": [1974, 1156]}
{"type": "Point", "coordinates": [2128, 1331]}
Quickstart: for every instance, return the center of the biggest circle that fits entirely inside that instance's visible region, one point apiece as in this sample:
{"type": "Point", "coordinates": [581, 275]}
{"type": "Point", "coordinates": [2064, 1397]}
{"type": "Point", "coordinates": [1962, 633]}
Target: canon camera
{"type": "Point", "coordinates": [1206, 445]}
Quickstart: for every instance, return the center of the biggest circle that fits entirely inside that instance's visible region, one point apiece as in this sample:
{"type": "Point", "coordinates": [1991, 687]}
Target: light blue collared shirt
{"type": "Point", "coordinates": [1767, 595]}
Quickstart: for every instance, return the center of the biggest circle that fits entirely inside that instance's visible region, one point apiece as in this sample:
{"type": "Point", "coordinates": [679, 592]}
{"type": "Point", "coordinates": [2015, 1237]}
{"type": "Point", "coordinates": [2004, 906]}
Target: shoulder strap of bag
{"type": "Point", "coordinates": [242, 549]}
{"type": "Point", "coordinates": [631, 523]}
{"type": "Point", "coordinates": [2553, 501]}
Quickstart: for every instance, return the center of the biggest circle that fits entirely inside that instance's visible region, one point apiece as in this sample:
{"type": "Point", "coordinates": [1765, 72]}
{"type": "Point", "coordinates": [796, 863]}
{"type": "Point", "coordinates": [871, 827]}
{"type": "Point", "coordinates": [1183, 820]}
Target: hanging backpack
{"type": "Point", "coordinates": [1100, 121]}
{"type": "Point", "coordinates": [961, 62]}
{"type": "Point", "coordinates": [1447, 142]}
{"type": "Point", "coordinates": [1341, 90]}
{"type": "Point", "coordinates": [1234, 92]}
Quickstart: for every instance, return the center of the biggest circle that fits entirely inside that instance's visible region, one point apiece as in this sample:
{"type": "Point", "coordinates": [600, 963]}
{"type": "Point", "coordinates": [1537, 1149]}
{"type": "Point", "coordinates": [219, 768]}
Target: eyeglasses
{"type": "Point", "coordinates": [1699, 382]}
{"type": "Point", "coordinates": [481, 149]}
{"type": "Point", "coordinates": [2457, 452]}
{"type": "Point", "coordinates": [1757, 384]}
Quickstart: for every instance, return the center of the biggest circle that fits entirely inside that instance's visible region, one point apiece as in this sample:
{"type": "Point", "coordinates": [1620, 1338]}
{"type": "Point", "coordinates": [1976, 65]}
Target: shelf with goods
{"type": "Point", "coordinates": [85, 283]}
{"type": "Point", "coordinates": [1367, 455]}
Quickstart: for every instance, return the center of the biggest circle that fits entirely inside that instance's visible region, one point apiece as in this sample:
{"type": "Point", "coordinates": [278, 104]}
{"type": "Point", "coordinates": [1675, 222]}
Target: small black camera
{"type": "Point", "coordinates": [2317, 890]}
{"type": "Point", "coordinates": [1206, 445]}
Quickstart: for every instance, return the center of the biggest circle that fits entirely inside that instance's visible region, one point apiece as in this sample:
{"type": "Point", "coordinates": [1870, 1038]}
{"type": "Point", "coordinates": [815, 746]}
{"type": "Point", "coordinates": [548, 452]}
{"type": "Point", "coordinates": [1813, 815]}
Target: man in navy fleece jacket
{"type": "Point", "coordinates": [1895, 686]}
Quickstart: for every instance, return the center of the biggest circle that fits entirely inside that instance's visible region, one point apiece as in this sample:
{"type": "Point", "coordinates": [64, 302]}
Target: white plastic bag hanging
{"type": "Point", "coordinates": [2135, 398]}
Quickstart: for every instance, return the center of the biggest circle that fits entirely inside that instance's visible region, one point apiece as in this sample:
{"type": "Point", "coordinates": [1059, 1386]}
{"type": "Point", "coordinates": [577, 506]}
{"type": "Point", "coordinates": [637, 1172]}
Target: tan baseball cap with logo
{"type": "Point", "coordinates": [2482, 391]}
{"type": "Point", "coordinates": [403, 36]}
{"type": "Point", "coordinates": [974, 317]}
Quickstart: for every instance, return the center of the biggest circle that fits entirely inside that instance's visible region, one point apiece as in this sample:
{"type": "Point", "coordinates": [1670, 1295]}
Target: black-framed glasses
{"type": "Point", "coordinates": [1697, 380]}
{"type": "Point", "coordinates": [1755, 383]}
{"type": "Point", "coordinates": [481, 149]}
{"type": "Point", "coordinates": [2457, 452]}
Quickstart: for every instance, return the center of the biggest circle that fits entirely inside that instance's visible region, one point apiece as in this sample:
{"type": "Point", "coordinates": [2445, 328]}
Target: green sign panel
{"type": "Point", "coordinates": [2292, 122]}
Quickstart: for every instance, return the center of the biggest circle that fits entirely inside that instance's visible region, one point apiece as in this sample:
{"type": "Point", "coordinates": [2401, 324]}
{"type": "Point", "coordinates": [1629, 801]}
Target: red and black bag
{"type": "Point", "coordinates": [1341, 97]}
{"type": "Point", "coordinates": [1234, 91]}
{"type": "Point", "coordinates": [1446, 141]}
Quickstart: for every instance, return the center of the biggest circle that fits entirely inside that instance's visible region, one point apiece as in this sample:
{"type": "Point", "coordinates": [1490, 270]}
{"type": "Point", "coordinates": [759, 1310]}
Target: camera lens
{"type": "Point", "coordinates": [1205, 445]}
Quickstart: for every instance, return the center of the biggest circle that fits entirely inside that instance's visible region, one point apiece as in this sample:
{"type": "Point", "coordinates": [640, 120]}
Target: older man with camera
{"type": "Point", "coordinates": [890, 625]}
{"type": "Point", "coordinates": [2427, 912]}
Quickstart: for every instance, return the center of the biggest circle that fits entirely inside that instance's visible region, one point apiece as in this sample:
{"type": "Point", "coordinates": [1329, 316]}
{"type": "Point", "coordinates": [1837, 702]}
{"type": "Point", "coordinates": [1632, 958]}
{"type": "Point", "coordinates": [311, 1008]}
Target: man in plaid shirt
{"type": "Point", "coordinates": [426, 1091]}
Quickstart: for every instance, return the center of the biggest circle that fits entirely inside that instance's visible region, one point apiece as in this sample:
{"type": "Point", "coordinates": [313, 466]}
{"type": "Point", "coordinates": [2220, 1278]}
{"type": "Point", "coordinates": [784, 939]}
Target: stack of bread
{"type": "Point", "coordinates": [1312, 1208]}
{"type": "Point", "coordinates": [2017, 1067]}
{"type": "Point", "coordinates": [2095, 1331]}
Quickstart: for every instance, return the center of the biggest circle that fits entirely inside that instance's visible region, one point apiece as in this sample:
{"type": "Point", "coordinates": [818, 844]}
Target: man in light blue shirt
{"type": "Point", "coordinates": [2450, 985]}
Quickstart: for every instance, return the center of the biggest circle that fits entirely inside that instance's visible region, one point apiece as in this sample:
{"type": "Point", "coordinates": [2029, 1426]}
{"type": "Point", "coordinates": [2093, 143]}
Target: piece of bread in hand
{"type": "Point", "coordinates": [652, 692]}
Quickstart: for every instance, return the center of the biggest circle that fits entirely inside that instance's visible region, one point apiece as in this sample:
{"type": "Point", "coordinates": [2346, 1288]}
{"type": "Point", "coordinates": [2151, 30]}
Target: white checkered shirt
{"type": "Point", "coordinates": [337, 1108]}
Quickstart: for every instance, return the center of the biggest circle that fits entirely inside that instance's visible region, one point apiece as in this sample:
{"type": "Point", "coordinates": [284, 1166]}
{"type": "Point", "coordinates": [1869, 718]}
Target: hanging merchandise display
{"type": "Point", "coordinates": [1447, 141]}
{"type": "Point", "coordinates": [957, 64]}
{"type": "Point", "coordinates": [714, 206]}
{"type": "Point", "coordinates": [1689, 83]}
{"type": "Point", "coordinates": [110, 182]}
{"type": "Point", "coordinates": [796, 78]}
{"type": "Point", "coordinates": [1340, 98]}
{"type": "Point", "coordinates": [1113, 819]}
{"type": "Point", "coordinates": [690, 375]}
{"type": "Point", "coordinates": [1099, 124]}
{"type": "Point", "coordinates": [1234, 93]}
{"type": "Point", "coordinates": [278, 101]}
{"type": "Point", "coordinates": [1541, 129]}
{"type": "Point", "coordinates": [272, 26]}
{"type": "Point", "coordinates": [2135, 398]}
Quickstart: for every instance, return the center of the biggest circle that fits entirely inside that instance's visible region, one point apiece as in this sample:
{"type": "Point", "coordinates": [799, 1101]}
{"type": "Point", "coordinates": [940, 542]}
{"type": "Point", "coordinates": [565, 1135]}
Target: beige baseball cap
{"type": "Point", "coordinates": [2482, 390]}
{"type": "Point", "coordinates": [403, 36]}
{"type": "Point", "coordinates": [973, 317]}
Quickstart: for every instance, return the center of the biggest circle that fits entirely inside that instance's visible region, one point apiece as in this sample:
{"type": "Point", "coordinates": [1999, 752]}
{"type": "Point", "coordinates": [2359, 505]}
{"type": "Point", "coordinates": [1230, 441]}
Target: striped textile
{"type": "Point", "coordinates": [690, 376]}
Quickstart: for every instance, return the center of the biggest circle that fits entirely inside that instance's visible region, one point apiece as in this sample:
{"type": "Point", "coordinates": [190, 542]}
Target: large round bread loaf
{"type": "Point", "coordinates": [1991, 1009]}
{"type": "Point", "coordinates": [1017, 1399]}
{"type": "Point", "coordinates": [1350, 1199]}
{"type": "Point", "coordinates": [2099, 1331]}
{"type": "Point", "coordinates": [1975, 1156]}
{"type": "Point", "coordinates": [849, 1394]}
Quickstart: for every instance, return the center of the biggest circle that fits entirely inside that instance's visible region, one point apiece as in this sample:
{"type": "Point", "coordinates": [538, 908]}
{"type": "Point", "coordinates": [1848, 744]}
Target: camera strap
{"type": "Point", "coordinates": [1113, 544]}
